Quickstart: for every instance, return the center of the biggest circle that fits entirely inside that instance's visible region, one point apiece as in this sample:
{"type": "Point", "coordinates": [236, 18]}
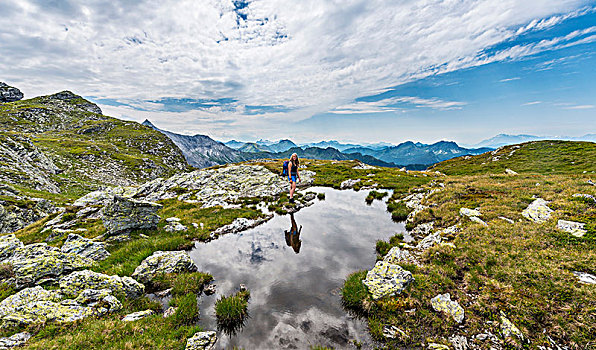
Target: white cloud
{"type": "Point", "coordinates": [532, 103]}
{"type": "Point", "coordinates": [509, 79]}
{"type": "Point", "coordinates": [580, 107]}
{"type": "Point", "coordinates": [311, 55]}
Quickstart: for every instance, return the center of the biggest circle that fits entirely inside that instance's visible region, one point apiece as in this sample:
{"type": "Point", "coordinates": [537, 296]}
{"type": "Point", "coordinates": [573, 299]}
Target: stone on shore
{"type": "Point", "coordinates": [443, 303]}
{"type": "Point", "coordinates": [397, 256]}
{"type": "Point", "coordinates": [202, 341]}
{"type": "Point", "coordinates": [537, 211]}
{"type": "Point", "coordinates": [387, 279]}
{"type": "Point", "coordinates": [348, 184]}
{"type": "Point", "coordinates": [124, 214]}
{"type": "Point", "coordinates": [161, 263]}
{"type": "Point", "coordinates": [239, 225]}
{"type": "Point", "coordinates": [73, 284]}
{"type": "Point", "coordinates": [85, 247]}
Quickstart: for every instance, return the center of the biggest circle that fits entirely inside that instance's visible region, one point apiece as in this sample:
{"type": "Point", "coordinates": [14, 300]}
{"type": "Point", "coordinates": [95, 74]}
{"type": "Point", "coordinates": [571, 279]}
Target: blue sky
{"type": "Point", "coordinates": [357, 71]}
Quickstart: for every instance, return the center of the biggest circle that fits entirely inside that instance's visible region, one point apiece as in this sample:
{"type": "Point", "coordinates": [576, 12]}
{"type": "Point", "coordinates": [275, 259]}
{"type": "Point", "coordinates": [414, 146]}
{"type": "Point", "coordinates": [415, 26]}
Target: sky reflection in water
{"type": "Point", "coordinates": [294, 270]}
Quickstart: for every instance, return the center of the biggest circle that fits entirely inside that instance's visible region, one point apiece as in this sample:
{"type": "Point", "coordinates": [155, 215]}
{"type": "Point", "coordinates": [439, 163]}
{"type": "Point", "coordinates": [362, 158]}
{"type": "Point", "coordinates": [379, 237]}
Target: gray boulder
{"type": "Point", "coordinates": [124, 214]}
{"type": "Point", "coordinates": [73, 284]}
{"type": "Point", "coordinates": [85, 247]}
{"type": "Point", "coordinates": [15, 217]}
{"type": "Point", "coordinates": [585, 277]}
{"type": "Point", "coordinates": [348, 184]}
{"type": "Point", "coordinates": [161, 263]}
{"type": "Point", "coordinates": [8, 245]}
{"type": "Point", "coordinates": [9, 93]}
{"type": "Point", "coordinates": [202, 341]}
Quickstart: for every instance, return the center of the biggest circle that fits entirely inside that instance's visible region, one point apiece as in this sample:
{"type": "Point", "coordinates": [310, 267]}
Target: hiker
{"type": "Point", "coordinates": [293, 174]}
{"type": "Point", "coordinates": [293, 235]}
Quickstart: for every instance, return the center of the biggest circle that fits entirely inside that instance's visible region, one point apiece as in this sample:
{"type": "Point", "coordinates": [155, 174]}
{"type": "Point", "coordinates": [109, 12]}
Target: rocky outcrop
{"type": "Point", "coordinates": [210, 187]}
{"type": "Point", "coordinates": [36, 305]}
{"type": "Point", "coordinates": [8, 245]}
{"type": "Point", "coordinates": [85, 247]}
{"type": "Point", "coordinates": [537, 211]}
{"type": "Point", "coordinates": [397, 256]}
{"type": "Point", "coordinates": [123, 214]}
{"type": "Point", "coordinates": [38, 263]}
{"type": "Point", "coordinates": [9, 93]}
{"type": "Point", "coordinates": [387, 279]}
{"type": "Point", "coordinates": [135, 316]}
{"type": "Point", "coordinates": [18, 211]}
{"type": "Point", "coordinates": [202, 341]}
{"type": "Point", "coordinates": [443, 303]}
{"type": "Point", "coordinates": [174, 225]}
{"type": "Point", "coordinates": [161, 263]}
{"type": "Point", "coordinates": [75, 283]}
{"type": "Point", "coordinates": [575, 228]}
{"type": "Point", "coordinates": [23, 163]}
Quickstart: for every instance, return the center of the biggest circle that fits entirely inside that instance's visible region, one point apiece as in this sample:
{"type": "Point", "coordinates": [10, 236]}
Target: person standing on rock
{"type": "Point", "coordinates": [293, 174]}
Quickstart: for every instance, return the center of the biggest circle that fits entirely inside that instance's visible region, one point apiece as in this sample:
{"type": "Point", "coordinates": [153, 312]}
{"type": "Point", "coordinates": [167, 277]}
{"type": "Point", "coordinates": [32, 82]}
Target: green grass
{"type": "Point", "coordinates": [372, 195]}
{"type": "Point", "coordinates": [187, 310]}
{"type": "Point", "coordinates": [538, 157]}
{"type": "Point", "coordinates": [232, 310]}
{"type": "Point", "coordinates": [383, 247]}
{"type": "Point", "coordinates": [354, 293]}
{"type": "Point", "coordinates": [182, 283]}
{"type": "Point", "coordinates": [398, 210]}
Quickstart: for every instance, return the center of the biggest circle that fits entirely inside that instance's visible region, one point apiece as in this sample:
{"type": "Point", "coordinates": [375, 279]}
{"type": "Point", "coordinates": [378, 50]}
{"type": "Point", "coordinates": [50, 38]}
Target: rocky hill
{"type": "Point", "coordinates": [539, 157]}
{"type": "Point", "coordinates": [62, 143]}
{"type": "Point", "coordinates": [201, 151]}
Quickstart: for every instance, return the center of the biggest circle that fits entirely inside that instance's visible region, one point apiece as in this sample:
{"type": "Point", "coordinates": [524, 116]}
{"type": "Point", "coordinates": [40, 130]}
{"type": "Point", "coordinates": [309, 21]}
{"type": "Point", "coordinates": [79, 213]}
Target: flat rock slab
{"type": "Point", "coordinates": [85, 247]}
{"type": "Point", "coordinates": [397, 256]}
{"type": "Point", "coordinates": [469, 212]}
{"type": "Point", "coordinates": [387, 279]}
{"type": "Point", "coordinates": [575, 228]}
{"type": "Point", "coordinates": [202, 341]}
{"type": "Point", "coordinates": [163, 262]}
{"type": "Point", "coordinates": [14, 340]}
{"type": "Point", "coordinates": [135, 316]}
{"type": "Point", "coordinates": [443, 303]}
{"type": "Point", "coordinates": [508, 329]}
{"type": "Point", "coordinates": [538, 211]}
{"type": "Point", "coordinates": [585, 278]}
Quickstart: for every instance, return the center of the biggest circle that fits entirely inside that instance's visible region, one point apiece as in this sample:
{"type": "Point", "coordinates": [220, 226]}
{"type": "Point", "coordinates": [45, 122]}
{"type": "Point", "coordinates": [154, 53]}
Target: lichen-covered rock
{"type": "Point", "coordinates": [36, 305]}
{"type": "Point", "coordinates": [14, 340]}
{"type": "Point", "coordinates": [9, 93]}
{"type": "Point", "coordinates": [85, 247]}
{"type": "Point", "coordinates": [387, 279]}
{"type": "Point", "coordinates": [478, 220]}
{"type": "Point", "coordinates": [509, 329]}
{"type": "Point", "coordinates": [169, 312]}
{"type": "Point", "coordinates": [437, 346]}
{"type": "Point", "coordinates": [103, 197]}
{"type": "Point", "coordinates": [20, 212]}
{"type": "Point", "coordinates": [348, 184]}
{"type": "Point", "coordinates": [135, 316]}
{"type": "Point", "coordinates": [469, 212]}
{"type": "Point", "coordinates": [459, 342]}
{"type": "Point", "coordinates": [8, 245]}
{"type": "Point", "coordinates": [588, 197]}
{"type": "Point", "coordinates": [443, 303]}
{"type": "Point", "coordinates": [75, 283]}
{"type": "Point", "coordinates": [124, 214]}
{"type": "Point", "coordinates": [202, 341]}
{"type": "Point", "coordinates": [397, 256]}
{"type": "Point", "coordinates": [34, 263]}
{"type": "Point", "coordinates": [575, 228]}
{"type": "Point", "coordinates": [538, 211]}
{"type": "Point", "coordinates": [430, 240]}
{"type": "Point", "coordinates": [163, 262]}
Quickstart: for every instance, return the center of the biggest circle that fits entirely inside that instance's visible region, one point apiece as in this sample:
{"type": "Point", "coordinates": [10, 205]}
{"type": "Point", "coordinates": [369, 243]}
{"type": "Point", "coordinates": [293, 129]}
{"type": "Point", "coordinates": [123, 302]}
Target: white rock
{"type": "Point", "coordinates": [135, 316]}
{"type": "Point", "coordinates": [538, 211]}
{"type": "Point", "coordinates": [585, 278]}
{"type": "Point", "coordinates": [575, 228]}
{"type": "Point", "coordinates": [510, 172]}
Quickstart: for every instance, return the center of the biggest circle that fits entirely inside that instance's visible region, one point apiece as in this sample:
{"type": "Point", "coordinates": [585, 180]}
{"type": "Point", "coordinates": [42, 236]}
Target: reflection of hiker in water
{"type": "Point", "coordinates": [293, 235]}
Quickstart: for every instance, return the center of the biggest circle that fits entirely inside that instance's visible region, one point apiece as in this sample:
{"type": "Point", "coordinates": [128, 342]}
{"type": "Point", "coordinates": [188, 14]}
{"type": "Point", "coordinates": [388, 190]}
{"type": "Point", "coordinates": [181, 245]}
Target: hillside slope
{"type": "Point", "coordinates": [541, 157]}
{"type": "Point", "coordinates": [62, 143]}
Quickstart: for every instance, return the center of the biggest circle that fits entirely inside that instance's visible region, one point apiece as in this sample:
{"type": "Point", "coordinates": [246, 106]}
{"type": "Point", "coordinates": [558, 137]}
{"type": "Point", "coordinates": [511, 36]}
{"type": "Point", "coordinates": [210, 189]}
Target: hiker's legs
{"type": "Point", "coordinates": [292, 189]}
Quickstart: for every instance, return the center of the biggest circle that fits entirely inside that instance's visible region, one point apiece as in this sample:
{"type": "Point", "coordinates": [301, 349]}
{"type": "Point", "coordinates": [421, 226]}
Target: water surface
{"type": "Point", "coordinates": [295, 278]}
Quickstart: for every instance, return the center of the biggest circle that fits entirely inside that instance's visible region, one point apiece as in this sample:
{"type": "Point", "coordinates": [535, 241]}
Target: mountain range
{"type": "Point", "coordinates": [506, 140]}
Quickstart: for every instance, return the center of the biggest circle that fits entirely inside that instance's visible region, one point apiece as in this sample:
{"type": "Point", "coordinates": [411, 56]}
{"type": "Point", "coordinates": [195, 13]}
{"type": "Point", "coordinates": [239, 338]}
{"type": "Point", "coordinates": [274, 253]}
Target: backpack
{"type": "Point", "coordinates": [284, 169]}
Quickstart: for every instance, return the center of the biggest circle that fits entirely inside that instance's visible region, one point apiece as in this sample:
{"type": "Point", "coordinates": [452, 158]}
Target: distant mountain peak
{"type": "Point", "coordinates": [149, 124]}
